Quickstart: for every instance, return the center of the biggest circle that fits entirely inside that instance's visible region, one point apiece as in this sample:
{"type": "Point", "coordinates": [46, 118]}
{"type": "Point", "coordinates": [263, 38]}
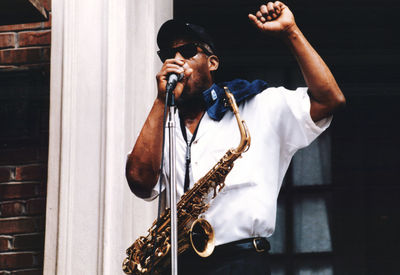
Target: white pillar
{"type": "Point", "coordinates": [103, 70]}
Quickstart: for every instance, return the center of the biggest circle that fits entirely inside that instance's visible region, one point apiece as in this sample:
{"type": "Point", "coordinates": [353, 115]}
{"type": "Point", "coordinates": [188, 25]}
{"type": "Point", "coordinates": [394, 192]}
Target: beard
{"type": "Point", "coordinates": [192, 95]}
{"type": "Point", "coordinates": [194, 101]}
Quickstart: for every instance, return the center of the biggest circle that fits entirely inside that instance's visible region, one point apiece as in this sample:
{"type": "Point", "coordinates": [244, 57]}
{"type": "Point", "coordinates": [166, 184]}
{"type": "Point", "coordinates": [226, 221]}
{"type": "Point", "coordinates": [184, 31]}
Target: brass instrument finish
{"type": "Point", "coordinates": [150, 254]}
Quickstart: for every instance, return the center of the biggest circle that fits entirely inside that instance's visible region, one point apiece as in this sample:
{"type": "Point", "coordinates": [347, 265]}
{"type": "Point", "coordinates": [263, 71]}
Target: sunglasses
{"type": "Point", "coordinates": [187, 51]}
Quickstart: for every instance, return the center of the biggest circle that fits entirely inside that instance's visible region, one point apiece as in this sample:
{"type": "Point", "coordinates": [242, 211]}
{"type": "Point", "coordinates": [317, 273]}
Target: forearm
{"type": "Point", "coordinates": [326, 94]}
{"type": "Point", "coordinates": [276, 18]}
{"type": "Point", "coordinates": [142, 167]}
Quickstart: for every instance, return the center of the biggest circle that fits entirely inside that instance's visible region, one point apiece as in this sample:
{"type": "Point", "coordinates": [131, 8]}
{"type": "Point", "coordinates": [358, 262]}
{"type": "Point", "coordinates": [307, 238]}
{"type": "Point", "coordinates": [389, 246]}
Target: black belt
{"type": "Point", "coordinates": [257, 244]}
{"type": "Point", "coordinates": [236, 248]}
{"type": "Point", "coordinates": [225, 251]}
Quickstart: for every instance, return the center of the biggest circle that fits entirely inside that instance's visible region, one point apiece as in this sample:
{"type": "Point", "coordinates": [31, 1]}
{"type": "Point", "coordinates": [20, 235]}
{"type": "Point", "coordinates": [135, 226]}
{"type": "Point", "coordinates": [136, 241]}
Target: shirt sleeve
{"type": "Point", "coordinates": [291, 116]}
{"type": "Point", "coordinates": [156, 190]}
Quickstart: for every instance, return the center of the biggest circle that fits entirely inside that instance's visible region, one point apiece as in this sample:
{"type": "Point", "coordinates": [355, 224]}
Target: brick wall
{"type": "Point", "coordinates": [24, 109]}
{"type": "Point", "coordinates": [25, 45]}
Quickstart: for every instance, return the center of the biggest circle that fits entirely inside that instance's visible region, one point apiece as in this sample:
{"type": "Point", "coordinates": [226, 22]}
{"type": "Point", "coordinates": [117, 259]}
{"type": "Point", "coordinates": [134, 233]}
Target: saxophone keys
{"type": "Point", "coordinates": [129, 266]}
{"type": "Point", "coordinates": [142, 269]}
{"type": "Point", "coordinates": [163, 250]}
{"type": "Point", "coordinates": [215, 191]}
{"type": "Point", "coordinates": [147, 261]}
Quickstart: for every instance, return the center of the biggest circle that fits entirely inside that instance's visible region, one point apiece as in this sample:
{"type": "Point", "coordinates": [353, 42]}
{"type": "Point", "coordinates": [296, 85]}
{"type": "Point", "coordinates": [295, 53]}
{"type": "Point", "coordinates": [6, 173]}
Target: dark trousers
{"type": "Point", "coordinates": [241, 263]}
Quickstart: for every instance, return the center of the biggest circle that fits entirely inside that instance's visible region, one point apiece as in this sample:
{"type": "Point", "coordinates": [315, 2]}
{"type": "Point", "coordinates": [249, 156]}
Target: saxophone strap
{"type": "Point", "coordinates": [188, 151]}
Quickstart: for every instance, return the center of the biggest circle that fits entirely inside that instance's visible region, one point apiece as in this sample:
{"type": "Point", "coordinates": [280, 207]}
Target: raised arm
{"type": "Point", "coordinates": [275, 18]}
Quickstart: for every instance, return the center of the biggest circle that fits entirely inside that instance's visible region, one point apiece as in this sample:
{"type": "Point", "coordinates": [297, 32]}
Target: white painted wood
{"type": "Point", "coordinates": [102, 86]}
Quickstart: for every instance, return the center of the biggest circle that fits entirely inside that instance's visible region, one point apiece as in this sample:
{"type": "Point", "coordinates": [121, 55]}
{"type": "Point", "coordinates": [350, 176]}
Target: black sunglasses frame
{"type": "Point", "coordinates": [187, 51]}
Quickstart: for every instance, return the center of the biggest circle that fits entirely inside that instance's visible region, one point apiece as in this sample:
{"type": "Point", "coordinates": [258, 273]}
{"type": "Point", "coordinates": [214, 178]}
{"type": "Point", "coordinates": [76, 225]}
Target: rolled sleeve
{"type": "Point", "coordinates": [311, 129]}
{"type": "Point", "coordinates": [155, 192]}
{"type": "Point", "coordinates": [293, 120]}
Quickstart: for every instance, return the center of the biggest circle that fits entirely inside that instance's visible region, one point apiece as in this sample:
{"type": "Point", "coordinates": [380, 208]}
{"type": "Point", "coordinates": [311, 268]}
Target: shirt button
{"type": "Point", "coordinates": [195, 142]}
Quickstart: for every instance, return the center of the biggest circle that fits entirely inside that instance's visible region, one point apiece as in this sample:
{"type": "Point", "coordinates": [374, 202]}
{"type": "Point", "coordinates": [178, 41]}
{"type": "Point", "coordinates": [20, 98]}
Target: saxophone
{"type": "Point", "coordinates": [150, 254]}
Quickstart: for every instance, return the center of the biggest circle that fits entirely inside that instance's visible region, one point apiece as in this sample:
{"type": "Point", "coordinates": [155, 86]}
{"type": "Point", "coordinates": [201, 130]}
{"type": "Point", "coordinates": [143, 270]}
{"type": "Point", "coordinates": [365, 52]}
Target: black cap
{"type": "Point", "coordinates": [173, 29]}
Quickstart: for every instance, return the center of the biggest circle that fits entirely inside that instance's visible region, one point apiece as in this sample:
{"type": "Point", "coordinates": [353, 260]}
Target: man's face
{"type": "Point", "coordinates": [201, 78]}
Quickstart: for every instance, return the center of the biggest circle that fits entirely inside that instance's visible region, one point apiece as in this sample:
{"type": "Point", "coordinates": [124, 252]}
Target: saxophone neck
{"type": "Point", "coordinates": [245, 138]}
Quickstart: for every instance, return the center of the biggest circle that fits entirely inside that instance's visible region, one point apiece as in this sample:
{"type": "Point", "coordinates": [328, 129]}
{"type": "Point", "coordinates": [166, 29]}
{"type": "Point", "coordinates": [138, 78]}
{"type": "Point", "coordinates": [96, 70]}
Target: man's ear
{"type": "Point", "coordinates": [213, 62]}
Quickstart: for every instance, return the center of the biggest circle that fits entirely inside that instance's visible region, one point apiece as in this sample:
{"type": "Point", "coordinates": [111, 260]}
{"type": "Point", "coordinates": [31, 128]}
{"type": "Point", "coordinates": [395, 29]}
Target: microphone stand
{"type": "Point", "coordinates": [171, 125]}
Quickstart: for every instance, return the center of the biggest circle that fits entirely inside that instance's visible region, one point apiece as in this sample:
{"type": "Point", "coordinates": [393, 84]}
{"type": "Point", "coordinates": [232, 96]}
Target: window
{"type": "Point", "coordinates": [302, 241]}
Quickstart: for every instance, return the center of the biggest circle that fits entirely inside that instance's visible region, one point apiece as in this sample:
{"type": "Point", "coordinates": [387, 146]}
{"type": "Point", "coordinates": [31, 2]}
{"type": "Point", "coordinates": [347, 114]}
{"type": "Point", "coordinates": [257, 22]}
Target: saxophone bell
{"type": "Point", "coordinates": [202, 237]}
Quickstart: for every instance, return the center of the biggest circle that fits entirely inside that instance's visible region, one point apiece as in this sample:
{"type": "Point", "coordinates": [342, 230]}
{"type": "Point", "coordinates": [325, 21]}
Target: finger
{"type": "Point", "coordinates": [271, 10]}
{"type": "Point", "coordinates": [252, 17]}
{"type": "Point", "coordinates": [175, 61]}
{"type": "Point", "coordinates": [177, 65]}
{"type": "Point", "coordinates": [171, 66]}
{"type": "Point", "coordinates": [179, 69]}
{"type": "Point", "coordinates": [280, 5]}
{"type": "Point", "coordinates": [187, 73]}
{"type": "Point", "coordinates": [277, 6]}
{"type": "Point", "coordinates": [169, 70]}
{"type": "Point", "coordinates": [264, 10]}
{"type": "Point", "coordinates": [270, 7]}
{"type": "Point", "coordinates": [254, 20]}
{"type": "Point", "coordinates": [261, 17]}
{"type": "Point", "coordinates": [268, 18]}
{"type": "Point", "coordinates": [164, 75]}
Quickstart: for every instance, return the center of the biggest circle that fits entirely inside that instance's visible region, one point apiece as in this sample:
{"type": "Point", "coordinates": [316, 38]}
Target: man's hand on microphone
{"type": "Point", "coordinates": [172, 66]}
{"type": "Point", "coordinates": [273, 18]}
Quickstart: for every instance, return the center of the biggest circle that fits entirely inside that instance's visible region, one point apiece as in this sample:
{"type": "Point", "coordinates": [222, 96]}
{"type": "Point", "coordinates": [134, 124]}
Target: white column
{"type": "Point", "coordinates": [102, 87]}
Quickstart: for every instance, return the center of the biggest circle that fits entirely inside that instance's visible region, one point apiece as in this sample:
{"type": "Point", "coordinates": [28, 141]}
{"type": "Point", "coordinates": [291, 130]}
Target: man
{"type": "Point", "coordinates": [280, 122]}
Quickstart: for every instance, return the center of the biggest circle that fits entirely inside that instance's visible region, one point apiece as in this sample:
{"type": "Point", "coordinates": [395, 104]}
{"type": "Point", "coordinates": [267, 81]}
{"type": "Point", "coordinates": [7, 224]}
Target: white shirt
{"type": "Point", "coordinates": [279, 123]}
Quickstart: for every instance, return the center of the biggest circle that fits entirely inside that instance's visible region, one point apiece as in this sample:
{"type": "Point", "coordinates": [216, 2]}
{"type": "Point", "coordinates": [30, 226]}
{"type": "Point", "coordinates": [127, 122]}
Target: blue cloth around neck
{"type": "Point", "coordinates": [241, 89]}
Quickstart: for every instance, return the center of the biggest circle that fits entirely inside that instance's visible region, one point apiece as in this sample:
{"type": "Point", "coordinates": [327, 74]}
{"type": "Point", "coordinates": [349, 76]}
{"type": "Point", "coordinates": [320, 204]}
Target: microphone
{"type": "Point", "coordinates": [172, 81]}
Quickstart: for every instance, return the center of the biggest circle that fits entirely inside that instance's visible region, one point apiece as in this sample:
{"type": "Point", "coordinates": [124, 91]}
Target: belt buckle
{"type": "Point", "coordinates": [255, 245]}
